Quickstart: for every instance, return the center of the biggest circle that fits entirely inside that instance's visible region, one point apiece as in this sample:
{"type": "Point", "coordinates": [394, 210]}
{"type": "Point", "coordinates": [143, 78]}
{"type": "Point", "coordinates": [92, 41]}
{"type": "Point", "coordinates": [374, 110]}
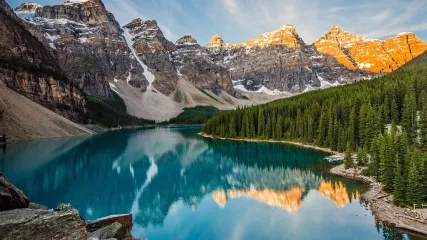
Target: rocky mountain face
{"type": "Point", "coordinates": [372, 55]}
{"type": "Point", "coordinates": [88, 44]}
{"type": "Point", "coordinates": [194, 62]}
{"type": "Point", "coordinates": [27, 67]}
{"type": "Point", "coordinates": [280, 61]}
{"type": "Point", "coordinates": [155, 51]}
{"type": "Point", "coordinates": [169, 61]}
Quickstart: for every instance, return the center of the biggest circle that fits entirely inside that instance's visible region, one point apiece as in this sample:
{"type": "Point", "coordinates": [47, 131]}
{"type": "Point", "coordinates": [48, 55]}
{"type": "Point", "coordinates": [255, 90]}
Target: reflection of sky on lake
{"type": "Point", "coordinates": [181, 186]}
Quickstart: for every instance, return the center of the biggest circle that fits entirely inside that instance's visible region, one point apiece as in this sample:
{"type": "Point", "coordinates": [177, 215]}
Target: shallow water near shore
{"type": "Point", "coordinates": [179, 185]}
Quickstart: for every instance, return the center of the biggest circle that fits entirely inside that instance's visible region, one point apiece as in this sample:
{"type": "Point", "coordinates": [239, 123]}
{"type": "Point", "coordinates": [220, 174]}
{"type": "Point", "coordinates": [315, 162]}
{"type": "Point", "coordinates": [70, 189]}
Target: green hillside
{"type": "Point", "coordinates": [195, 115]}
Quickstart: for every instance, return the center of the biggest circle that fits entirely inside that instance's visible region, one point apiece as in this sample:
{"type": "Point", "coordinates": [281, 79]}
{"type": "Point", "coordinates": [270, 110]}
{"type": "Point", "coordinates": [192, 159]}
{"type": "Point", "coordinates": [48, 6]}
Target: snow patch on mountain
{"type": "Point", "coordinates": [25, 15]}
{"type": "Point", "coordinates": [71, 2]}
{"type": "Point", "coordinates": [263, 89]}
{"type": "Point", "coordinates": [365, 65]}
{"type": "Point", "coordinates": [326, 84]}
{"type": "Point", "coordinates": [51, 40]}
{"type": "Point", "coordinates": [114, 88]}
{"type": "Point", "coordinates": [148, 75]}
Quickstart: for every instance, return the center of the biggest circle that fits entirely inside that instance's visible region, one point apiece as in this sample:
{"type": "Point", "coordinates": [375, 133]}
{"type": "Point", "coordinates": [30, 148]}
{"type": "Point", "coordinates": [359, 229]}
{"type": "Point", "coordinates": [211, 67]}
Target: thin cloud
{"type": "Point", "coordinates": [239, 20]}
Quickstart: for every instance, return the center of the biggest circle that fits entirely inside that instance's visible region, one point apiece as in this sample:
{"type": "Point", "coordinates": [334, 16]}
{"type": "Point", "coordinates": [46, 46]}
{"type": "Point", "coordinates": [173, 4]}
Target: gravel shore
{"type": "Point", "coordinates": [382, 203]}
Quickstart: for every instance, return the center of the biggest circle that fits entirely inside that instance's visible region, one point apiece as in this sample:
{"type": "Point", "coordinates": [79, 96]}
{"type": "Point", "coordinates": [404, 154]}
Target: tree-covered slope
{"type": "Point", "coordinates": [355, 116]}
{"type": "Point", "coordinates": [195, 115]}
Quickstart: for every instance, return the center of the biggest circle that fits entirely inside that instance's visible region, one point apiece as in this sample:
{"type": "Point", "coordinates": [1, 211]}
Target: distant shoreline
{"type": "Point", "coordinates": [297, 144]}
{"type": "Point", "coordinates": [381, 205]}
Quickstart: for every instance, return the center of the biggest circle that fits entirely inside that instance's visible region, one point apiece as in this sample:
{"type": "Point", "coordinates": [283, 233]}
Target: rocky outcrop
{"type": "Point", "coordinates": [377, 56]}
{"type": "Point", "coordinates": [27, 67]}
{"type": "Point", "coordinates": [89, 45]}
{"type": "Point", "coordinates": [21, 220]}
{"type": "Point", "coordinates": [10, 196]}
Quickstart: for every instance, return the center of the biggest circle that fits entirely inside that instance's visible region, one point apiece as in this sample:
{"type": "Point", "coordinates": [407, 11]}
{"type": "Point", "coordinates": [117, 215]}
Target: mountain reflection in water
{"type": "Point", "coordinates": [156, 173]}
{"type": "Point", "coordinates": [289, 200]}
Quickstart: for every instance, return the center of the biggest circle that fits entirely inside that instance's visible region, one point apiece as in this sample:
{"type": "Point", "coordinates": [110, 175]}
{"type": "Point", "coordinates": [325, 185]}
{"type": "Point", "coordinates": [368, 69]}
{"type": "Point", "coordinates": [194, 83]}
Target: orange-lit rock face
{"type": "Point", "coordinates": [286, 35]}
{"type": "Point", "coordinates": [404, 47]}
{"type": "Point", "coordinates": [335, 192]}
{"type": "Point", "coordinates": [287, 200]}
{"type": "Point", "coordinates": [216, 42]}
{"type": "Point", "coordinates": [371, 55]}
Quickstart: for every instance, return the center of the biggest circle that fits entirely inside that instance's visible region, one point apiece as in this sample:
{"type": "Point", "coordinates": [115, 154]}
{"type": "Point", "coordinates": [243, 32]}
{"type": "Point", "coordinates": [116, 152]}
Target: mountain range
{"type": "Point", "coordinates": [75, 51]}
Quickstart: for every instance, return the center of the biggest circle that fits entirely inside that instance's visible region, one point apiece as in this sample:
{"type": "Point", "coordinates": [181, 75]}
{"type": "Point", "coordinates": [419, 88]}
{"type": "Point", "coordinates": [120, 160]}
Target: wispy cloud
{"type": "Point", "coordinates": [239, 20]}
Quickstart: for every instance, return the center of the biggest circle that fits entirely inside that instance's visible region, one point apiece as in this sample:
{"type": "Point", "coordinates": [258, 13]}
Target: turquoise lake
{"type": "Point", "coordinates": [178, 185]}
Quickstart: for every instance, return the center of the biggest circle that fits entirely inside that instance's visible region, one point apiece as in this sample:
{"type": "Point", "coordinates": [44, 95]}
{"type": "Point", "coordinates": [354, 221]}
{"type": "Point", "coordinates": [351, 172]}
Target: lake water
{"type": "Point", "coordinates": [178, 185]}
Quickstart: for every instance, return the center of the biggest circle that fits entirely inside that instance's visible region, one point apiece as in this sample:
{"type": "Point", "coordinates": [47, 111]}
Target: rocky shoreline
{"type": "Point", "coordinates": [381, 202]}
{"type": "Point", "coordinates": [22, 219]}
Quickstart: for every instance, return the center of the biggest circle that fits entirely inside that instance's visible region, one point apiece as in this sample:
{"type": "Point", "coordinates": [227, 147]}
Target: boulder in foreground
{"type": "Point", "coordinates": [10, 196]}
{"type": "Point", "coordinates": [37, 224]}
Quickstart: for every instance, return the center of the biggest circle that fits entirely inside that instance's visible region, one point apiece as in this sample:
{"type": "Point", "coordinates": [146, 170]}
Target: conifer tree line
{"type": "Point", "coordinates": [384, 120]}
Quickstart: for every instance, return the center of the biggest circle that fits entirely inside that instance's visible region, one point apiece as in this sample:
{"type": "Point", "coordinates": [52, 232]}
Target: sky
{"type": "Point", "coordinates": [240, 20]}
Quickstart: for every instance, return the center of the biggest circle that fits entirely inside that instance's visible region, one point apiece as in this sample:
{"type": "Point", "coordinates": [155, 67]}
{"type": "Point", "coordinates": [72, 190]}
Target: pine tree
{"type": "Point", "coordinates": [261, 123]}
{"type": "Point", "coordinates": [232, 128]}
{"type": "Point", "coordinates": [387, 163]}
{"type": "Point", "coordinates": [423, 120]}
{"type": "Point", "coordinates": [362, 156]}
{"type": "Point", "coordinates": [352, 129]}
{"type": "Point", "coordinates": [321, 140]}
{"type": "Point", "coordinates": [374, 163]}
{"type": "Point", "coordinates": [414, 194]}
{"type": "Point", "coordinates": [362, 125]}
{"type": "Point", "coordinates": [394, 110]}
{"type": "Point", "coordinates": [279, 133]}
{"type": "Point", "coordinates": [330, 136]}
{"type": "Point", "coordinates": [267, 133]}
{"type": "Point", "coordinates": [348, 160]}
{"type": "Point", "coordinates": [409, 116]}
{"type": "Point", "coordinates": [399, 184]}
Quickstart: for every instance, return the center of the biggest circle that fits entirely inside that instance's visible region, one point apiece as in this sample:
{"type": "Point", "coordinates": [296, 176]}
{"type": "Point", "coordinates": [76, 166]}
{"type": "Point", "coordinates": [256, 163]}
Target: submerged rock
{"type": "Point", "coordinates": [116, 226]}
{"type": "Point", "coordinates": [10, 196]}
